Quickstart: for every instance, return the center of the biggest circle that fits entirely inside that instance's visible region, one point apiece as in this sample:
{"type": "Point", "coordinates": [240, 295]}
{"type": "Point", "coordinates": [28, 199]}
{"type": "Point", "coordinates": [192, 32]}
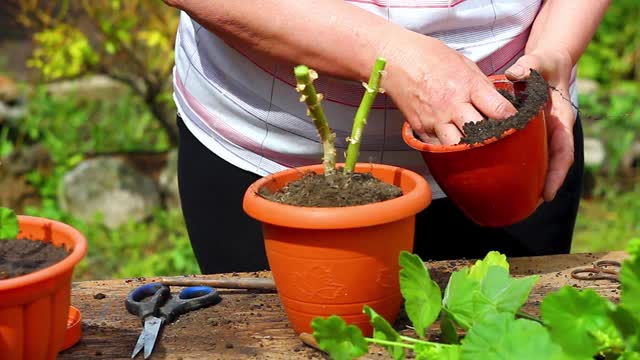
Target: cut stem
{"type": "Point", "coordinates": [360, 120]}
{"type": "Point", "coordinates": [308, 95]}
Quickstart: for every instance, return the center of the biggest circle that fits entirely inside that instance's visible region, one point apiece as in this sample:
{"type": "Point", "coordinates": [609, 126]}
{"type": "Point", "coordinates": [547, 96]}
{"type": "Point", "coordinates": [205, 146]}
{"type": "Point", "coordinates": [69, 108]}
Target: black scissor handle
{"type": "Point", "coordinates": [189, 299]}
{"type": "Point", "coordinates": [145, 300]}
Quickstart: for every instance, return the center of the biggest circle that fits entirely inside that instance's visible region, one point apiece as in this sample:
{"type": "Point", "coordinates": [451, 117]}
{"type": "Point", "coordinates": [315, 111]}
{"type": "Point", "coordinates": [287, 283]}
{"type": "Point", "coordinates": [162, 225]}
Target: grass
{"type": "Point", "coordinates": [608, 221]}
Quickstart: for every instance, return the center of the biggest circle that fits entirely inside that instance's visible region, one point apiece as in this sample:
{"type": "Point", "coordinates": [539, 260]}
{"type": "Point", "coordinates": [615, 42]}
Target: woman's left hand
{"type": "Point", "coordinates": [556, 69]}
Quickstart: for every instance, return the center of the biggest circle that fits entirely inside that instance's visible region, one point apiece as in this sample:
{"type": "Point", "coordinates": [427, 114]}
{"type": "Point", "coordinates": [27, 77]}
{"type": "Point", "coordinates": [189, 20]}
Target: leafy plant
{"type": "Point", "coordinates": [308, 95]}
{"type": "Point", "coordinates": [483, 302]}
{"type": "Point", "coordinates": [8, 224]}
{"type": "Point", "coordinates": [129, 41]}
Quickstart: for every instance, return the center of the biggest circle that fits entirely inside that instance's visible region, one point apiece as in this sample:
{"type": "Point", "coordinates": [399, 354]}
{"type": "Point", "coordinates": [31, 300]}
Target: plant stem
{"type": "Point", "coordinates": [308, 95]}
{"type": "Point", "coordinates": [527, 316]}
{"type": "Point", "coordinates": [360, 120]}
{"type": "Point", "coordinates": [386, 342]}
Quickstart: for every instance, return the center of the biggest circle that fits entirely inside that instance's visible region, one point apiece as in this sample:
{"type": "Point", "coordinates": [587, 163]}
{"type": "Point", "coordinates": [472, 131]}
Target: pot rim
{"type": "Point", "coordinates": [417, 144]}
{"type": "Point", "coordinates": [57, 269]}
{"type": "Point", "coordinates": [267, 211]}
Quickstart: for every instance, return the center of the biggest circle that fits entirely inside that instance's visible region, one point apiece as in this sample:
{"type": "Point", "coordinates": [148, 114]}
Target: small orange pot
{"type": "Point", "coordinates": [496, 183]}
{"type": "Point", "coordinates": [34, 307]}
{"type": "Point", "coordinates": [329, 261]}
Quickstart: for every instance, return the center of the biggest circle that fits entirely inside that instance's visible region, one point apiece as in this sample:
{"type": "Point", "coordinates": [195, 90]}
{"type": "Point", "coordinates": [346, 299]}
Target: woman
{"type": "Point", "coordinates": [240, 119]}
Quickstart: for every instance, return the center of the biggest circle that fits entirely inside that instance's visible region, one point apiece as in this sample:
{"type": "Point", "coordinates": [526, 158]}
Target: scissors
{"type": "Point", "coordinates": [601, 270]}
{"type": "Point", "coordinates": [154, 304]}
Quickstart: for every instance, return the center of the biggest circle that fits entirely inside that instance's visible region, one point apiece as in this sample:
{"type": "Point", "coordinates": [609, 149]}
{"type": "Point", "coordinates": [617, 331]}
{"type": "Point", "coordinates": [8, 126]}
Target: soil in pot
{"type": "Point", "coordinates": [528, 104]}
{"type": "Point", "coordinates": [339, 190]}
{"type": "Point", "coordinates": [21, 257]}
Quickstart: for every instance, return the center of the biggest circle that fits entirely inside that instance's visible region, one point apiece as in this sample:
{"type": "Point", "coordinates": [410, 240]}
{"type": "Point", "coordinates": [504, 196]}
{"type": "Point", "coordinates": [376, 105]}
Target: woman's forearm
{"type": "Point", "coordinates": [330, 36]}
{"type": "Point", "coordinates": [566, 25]}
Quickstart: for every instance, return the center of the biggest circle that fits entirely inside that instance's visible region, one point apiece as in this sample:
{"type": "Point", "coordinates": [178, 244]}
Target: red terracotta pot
{"type": "Point", "coordinates": [329, 261]}
{"type": "Point", "coordinates": [34, 308]}
{"type": "Point", "coordinates": [496, 183]}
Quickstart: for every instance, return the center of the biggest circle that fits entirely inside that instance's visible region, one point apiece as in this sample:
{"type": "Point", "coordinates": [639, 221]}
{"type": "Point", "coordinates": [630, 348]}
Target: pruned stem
{"type": "Point", "coordinates": [308, 95]}
{"type": "Point", "coordinates": [371, 91]}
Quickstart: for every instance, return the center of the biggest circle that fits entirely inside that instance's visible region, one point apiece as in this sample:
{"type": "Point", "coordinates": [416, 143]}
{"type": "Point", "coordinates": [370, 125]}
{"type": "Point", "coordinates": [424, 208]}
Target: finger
{"type": "Point", "coordinates": [490, 102]}
{"type": "Point", "coordinates": [448, 133]}
{"type": "Point", "coordinates": [465, 113]}
{"type": "Point", "coordinates": [522, 68]}
{"type": "Point", "coordinates": [561, 157]}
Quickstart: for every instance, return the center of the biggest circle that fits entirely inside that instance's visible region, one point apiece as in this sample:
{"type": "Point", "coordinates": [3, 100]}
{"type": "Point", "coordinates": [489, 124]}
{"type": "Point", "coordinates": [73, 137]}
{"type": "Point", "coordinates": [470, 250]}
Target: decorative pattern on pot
{"type": "Point", "coordinates": [329, 261]}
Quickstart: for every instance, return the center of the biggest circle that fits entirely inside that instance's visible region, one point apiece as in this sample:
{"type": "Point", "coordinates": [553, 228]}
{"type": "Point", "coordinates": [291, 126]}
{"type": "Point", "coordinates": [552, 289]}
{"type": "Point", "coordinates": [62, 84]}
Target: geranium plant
{"type": "Point", "coordinates": [481, 318]}
{"type": "Point", "coordinates": [312, 99]}
{"type": "Point", "coordinates": [8, 224]}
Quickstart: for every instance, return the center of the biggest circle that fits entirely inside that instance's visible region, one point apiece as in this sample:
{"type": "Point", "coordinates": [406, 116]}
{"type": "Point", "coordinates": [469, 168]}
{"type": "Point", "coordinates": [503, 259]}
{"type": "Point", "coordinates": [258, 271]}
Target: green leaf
{"type": "Point", "coordinates": [628, 326]}
{"type": "Point", "coordinates": [421, 294]}
{"type": "Point", "coordinates": [458, 298]}
{"type": "Point", "coordinates": [501, 336]}
{"type": "Point", "coordinates": [382, 330]}
{"type": "Point", "coordinates": [630, 279]}
{"type": "Point", "coordinates": [501, 293]}
{"type": "Point", "coordinates": [8, 224]}
{"type": "Point", "coordinates": [436, 352]}
{"type": "Point", "coordinates": [448, 330]}
{"type": "Point", "coordinates": [339, 340]}
{"type": "Point", "coordinates": [580, 321]}
{"type": "Point", "coordinates": [479, 270]}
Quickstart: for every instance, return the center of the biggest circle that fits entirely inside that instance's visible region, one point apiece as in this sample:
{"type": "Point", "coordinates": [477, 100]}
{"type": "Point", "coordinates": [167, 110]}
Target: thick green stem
{"type": "Point", "coordinates": [360, 120]}
{"type": "Point", "coordinates": [308, 95]}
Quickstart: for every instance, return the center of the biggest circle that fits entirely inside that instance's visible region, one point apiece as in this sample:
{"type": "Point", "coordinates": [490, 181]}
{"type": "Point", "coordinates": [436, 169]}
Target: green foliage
{"type": "Point", "coordinates": [422, 295]}
{"type": "Point", "coordinates": [70, 129]}
{"type": "Point", "coordinates": [608, 221]}
{"type": "Point", "coordinates": [575, 325]}
{"type": "Point", "coordinates": [8, 224]}
{"type": "Point", "coordinates": [614, 52]}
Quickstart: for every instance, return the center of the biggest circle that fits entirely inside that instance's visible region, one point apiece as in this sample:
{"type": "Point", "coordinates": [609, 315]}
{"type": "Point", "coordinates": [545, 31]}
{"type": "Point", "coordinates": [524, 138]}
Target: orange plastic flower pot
{"type": "Point", "coordinates": [329, 261]}
{"type": "Point", "coordinates": [34, 307]}
{"type": "Point", "coordinates": [496, 183]}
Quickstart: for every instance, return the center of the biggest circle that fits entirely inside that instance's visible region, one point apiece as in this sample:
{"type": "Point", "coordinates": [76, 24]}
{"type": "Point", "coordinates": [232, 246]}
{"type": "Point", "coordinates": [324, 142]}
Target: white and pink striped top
{"type": "Point", "coordinates": [244, 108]}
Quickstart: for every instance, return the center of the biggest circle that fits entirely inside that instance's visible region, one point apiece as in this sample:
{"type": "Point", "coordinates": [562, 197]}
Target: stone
{"type": "Point", "coordinates": [168, 181]}
{"type": "Point", "coordinates": [587, 86]}
{"type": "Point", "coordinates": [111, 187]}
{"type": "Point", "coordinates": [594, 152]}
{"type": "Point", "coordinates": [12, 102]}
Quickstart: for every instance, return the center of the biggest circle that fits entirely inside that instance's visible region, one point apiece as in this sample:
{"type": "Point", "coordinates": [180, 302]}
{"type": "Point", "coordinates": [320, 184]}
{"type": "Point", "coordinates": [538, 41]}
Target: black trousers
{"type": "Point", "coordinates": [225, 239]}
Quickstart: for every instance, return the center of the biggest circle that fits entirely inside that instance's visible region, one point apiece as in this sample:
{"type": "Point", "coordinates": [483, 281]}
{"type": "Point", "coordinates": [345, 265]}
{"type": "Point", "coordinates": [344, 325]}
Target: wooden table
{"type": "Point", "coordinates": [250, 324]}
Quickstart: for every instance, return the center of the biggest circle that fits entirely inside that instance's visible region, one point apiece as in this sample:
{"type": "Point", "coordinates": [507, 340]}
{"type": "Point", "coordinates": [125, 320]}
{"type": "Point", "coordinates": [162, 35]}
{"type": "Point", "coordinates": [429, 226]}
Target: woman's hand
{"type": "Point", "coordinates": [438, 89]}
{"type": "Point", "coordinates": [556, 68]}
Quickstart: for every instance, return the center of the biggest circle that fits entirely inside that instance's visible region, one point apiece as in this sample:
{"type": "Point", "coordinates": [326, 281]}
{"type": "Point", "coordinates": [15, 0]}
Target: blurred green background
{"type": "Point", "coordinates": [130, 44]}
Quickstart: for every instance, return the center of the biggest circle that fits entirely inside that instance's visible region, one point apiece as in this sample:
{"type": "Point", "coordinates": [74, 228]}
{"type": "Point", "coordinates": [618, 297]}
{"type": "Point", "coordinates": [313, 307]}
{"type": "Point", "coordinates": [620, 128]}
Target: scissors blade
{"type": "Point", "coordinates": [152, 327]}
{"type": "Point", "coordinates": [139, 345]}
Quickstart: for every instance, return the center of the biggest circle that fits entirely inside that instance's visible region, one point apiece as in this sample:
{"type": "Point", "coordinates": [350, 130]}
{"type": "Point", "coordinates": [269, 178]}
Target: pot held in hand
{"type": "Point", "coordinates": [499, 181]}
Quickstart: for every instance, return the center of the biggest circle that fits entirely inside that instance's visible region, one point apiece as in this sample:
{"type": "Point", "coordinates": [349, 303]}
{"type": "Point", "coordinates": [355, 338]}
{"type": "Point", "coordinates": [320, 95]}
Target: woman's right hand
{"type": "Point", "coordinates": [437, 89]}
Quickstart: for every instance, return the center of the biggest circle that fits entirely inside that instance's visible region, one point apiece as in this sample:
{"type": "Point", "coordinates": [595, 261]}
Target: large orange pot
{"type": "Point", "coordinates": [496, 183]}
{"type": "Point", "coordinates": [329, 261]}
{"type": "Point", "coordinates": [34, 307]}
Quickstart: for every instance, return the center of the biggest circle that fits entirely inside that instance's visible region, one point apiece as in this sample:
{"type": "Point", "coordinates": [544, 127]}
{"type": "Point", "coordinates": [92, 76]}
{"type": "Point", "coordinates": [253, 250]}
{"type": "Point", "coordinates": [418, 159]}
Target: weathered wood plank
{"type": "Point", "coordinates": [252, 324]}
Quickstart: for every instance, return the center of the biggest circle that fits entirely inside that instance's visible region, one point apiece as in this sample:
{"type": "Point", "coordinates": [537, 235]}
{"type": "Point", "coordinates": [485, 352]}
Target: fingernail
{"type": "Point", "coordinates": [516, 70]}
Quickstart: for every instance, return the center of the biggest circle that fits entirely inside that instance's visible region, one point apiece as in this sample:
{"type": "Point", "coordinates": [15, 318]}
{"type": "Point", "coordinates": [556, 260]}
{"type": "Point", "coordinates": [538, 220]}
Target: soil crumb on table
{"type": "Point", "coordinates": [339, 190]}
{"type": "Point", "coordinates": [528, 104]}
{"type": "Point", "coordinates": [20, 257]}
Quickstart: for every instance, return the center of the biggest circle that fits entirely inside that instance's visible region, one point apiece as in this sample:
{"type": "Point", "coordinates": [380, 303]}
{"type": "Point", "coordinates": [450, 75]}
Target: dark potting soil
{"type": "Point", "coordinates": [339, 190]}
{"type": "Point", "coordinates": [527, 102]}
{"type": "Point", "coordinates": [21, 256]}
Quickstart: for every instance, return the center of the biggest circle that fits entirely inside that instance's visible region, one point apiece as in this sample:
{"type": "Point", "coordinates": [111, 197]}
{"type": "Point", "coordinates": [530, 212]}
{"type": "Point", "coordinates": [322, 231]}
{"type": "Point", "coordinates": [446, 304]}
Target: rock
{"type": "Point", "coordinates": [88, 87]}
{"type": "Point", "coordinates": [12, 103]}
{"type": "Point", "coordinates": [111, 187]}
{"type": "Point", "coordinates": [594, 152]}
{"type": "Point", "coordinates": [630, 161]}
{"type": "Point", "coordinates": [168, 181]}
{"type": "Point", "coordinates": [28, 158]}
{"type": "Point", "coordinates": [587, 86]}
